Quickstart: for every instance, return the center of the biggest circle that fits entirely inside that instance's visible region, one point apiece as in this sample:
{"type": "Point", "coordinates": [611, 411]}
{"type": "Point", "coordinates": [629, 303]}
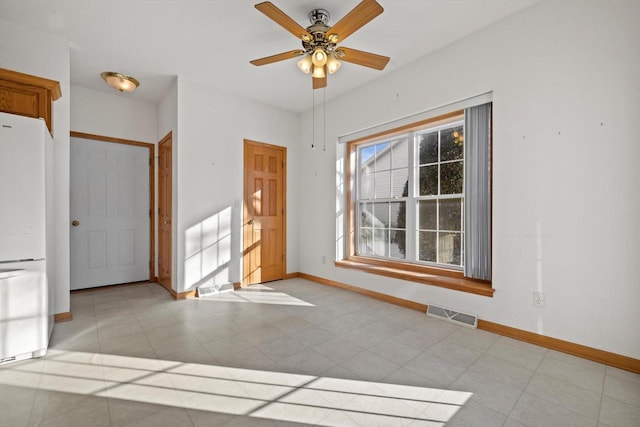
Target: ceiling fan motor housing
{"type": "Point", "coordinates": [318, 29]}
{"type": "Point", "coordinates": [319, 16]}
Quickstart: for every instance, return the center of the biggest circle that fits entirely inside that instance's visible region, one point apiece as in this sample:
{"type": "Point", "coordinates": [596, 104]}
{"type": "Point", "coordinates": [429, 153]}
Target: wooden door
{"type": "Point", "coordinates": [110, 213]}
{"type": "Point", "coordinates": [165, 211]}
{"type": "Point", "coordinates": [264, 228]}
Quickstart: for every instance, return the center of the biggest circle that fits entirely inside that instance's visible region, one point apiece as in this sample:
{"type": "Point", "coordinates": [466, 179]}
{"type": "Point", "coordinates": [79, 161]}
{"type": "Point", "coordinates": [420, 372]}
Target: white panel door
{"type": "Point", "coordinates": [109, 213]}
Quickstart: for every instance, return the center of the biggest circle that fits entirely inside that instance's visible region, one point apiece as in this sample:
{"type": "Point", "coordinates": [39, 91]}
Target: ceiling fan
{"type": "Point", "coordinates": [320, 53]}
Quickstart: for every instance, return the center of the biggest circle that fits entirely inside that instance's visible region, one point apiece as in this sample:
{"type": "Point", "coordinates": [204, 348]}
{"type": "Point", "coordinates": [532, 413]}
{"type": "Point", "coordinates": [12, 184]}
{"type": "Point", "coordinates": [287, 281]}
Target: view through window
{"type": "Point", "coordinates": [410, 196]}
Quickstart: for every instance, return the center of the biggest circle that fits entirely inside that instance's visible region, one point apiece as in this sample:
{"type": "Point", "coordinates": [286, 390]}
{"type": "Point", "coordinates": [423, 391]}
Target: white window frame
{"type": "Point", "coordinates": [412, 231]}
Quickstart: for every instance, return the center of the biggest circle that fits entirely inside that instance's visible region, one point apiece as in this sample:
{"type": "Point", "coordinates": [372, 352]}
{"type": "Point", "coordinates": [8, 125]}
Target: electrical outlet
{"type": "Point", "coordinates": [538, 299]}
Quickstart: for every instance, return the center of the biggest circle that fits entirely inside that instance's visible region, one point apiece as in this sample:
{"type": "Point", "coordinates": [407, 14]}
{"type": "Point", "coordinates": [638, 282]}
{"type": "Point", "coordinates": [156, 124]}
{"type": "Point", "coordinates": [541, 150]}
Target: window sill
{"type": "Point", "coordinates": [429, 276]}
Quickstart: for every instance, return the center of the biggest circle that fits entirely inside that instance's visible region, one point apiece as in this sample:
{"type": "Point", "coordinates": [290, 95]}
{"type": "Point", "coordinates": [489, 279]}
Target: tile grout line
{"type": "Point", "coordinates": [468, 370]}
{"type": "Point", "coordinates": [574, 385]}
{"type": "Point", "coordinates": [604, 380]}
{"type": "Point", "coordinates": [526, 385]}
{"type": "Point", "coordinates": [35, 395]}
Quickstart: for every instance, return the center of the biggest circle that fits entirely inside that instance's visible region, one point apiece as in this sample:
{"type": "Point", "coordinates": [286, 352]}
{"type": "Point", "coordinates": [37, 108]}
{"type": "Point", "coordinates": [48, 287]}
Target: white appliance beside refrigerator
{"type": "Point", "coordinates": [26, 298]}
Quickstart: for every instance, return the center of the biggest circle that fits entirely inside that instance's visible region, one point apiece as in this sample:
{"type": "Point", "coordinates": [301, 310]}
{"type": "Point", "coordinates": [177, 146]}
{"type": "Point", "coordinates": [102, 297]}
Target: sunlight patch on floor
{"type": "Point", "coordinates": [270, 395]}
{"type": "Point", "coordinates": [257, 294]}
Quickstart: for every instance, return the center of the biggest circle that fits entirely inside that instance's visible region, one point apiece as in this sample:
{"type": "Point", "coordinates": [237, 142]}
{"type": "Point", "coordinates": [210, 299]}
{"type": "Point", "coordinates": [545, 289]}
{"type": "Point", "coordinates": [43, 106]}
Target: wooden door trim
{"type": "Point", "coordinates": [167, 138]}
{"type": "Point", "coordinates": [284, 200]}
{"type": "Point", "coordinates": [152, 199]}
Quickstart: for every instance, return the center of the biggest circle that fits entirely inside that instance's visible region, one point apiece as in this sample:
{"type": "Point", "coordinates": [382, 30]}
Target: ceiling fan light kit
{"type": "Point", "coordinates": [318, 72]}
{"type": "Point", "coordinates": [333, 64]}
{"type": "Point", "coordinates": [319, 57]}
{"type": "Point", "coordinates": [320, 53]}
{"type": "Point", "coordinates": [305, 64]}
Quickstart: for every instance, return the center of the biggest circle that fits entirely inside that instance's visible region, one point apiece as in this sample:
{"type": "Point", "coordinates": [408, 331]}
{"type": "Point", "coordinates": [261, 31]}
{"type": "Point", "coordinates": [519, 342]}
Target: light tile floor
{"type": "Point", "coordinates": [297, 353]}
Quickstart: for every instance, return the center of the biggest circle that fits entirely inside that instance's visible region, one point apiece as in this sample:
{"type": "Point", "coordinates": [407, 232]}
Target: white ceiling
{"type": "Point", "coordinates": [214, 40]}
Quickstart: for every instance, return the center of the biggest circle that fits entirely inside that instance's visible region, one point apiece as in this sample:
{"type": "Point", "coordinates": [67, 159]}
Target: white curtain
{"type": "Point", "coordinates": [477, 192]}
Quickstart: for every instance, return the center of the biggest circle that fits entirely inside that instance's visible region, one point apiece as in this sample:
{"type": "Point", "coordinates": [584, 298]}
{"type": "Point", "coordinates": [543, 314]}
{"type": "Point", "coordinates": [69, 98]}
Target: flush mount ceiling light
{"type": "Point", "coordinates": [120, 81]}
{"type": "Point", "coordinates": [320, 54]}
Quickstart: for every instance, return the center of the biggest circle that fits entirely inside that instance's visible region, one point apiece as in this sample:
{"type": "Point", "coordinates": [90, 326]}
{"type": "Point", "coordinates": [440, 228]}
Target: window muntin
{"type": "Point", "coordinates": [382, 175]}
{"type": "Point", "coordinates": [440, 194]}
{"type": "Point", "coordinates": [435, 206]}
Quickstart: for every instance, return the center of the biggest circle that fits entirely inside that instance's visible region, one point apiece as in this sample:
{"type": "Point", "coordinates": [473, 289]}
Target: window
{"type": "Point", "coordinates": [382, 180]}
{"type": "Point", "coordinates": [409, 202]}
{"type": "Point", "coordinates": [436, 199]}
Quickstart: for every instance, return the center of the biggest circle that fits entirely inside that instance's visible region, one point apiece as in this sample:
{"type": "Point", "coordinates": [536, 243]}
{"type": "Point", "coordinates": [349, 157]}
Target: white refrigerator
{"type": "Point", "coordinates": [26, 312]}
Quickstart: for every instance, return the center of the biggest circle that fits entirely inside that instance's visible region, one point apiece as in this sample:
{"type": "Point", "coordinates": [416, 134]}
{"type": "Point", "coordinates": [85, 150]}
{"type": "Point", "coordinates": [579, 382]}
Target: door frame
{"type": "Point", "coordinates": [152, 215]}
{"type": "Point", "coordinates": [247, 142]}
{"type": "Point", "coordinates": [169, 287]}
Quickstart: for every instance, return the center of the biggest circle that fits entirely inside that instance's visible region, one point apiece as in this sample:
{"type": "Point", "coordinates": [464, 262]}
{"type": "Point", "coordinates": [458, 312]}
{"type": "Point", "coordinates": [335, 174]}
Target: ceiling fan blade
{"type": "Point", "coordinates": [355, 19]}
{"type": "Point", "coordinates": [360, 57]}
{"type": "Point", "coordinates": [319, 82]}
{"type": "Point", "coordinates": [279, 57]}
{"type": "Point", "coordinates": [284, 20]}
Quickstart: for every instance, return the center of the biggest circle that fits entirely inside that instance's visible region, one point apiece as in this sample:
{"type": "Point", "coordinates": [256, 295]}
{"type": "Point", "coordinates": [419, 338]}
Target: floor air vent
{"type": "Point", "coordinates": [463, 319]}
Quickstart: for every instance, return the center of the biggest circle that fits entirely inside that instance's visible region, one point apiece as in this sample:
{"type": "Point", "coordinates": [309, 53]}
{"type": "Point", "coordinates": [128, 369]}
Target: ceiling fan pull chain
{"type": "Point", "coordinates": [324, 120]}
{"type": "Point", "coordinates": [313, 126]}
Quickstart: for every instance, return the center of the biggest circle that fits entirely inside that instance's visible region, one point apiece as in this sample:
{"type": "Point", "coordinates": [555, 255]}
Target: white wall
{"type": "Point", "coordinates": [566, 196]}
{"type": "Point", "coordinates": [40, 55]}
{"type": "Point", "coordinates": [213, 125]}
{"type": "Point", "coordinates": [167, 120]}
{"type": "Point", "coordinates": [114, 115]}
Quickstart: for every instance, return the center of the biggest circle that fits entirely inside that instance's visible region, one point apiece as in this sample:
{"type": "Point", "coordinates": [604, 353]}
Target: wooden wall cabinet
{"type": "Point", "coordinates": [28, 95]}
